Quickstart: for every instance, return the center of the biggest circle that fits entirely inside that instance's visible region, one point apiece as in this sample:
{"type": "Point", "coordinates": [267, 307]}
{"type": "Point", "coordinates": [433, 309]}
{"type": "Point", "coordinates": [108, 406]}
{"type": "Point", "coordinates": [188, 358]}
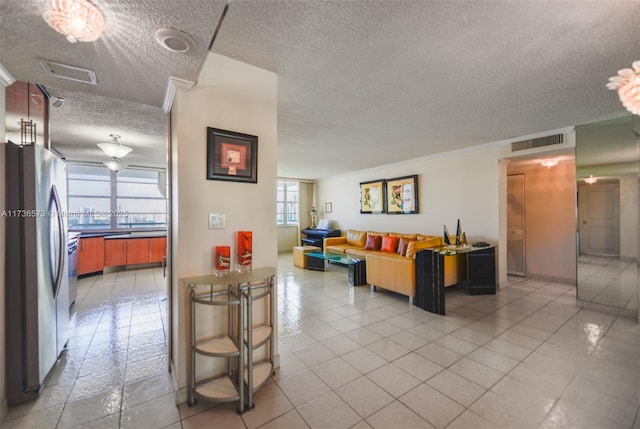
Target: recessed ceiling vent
{"type": "Point", "coordinates": [539, 142]}
{"type": "Point", "coordinates": [65, 71]}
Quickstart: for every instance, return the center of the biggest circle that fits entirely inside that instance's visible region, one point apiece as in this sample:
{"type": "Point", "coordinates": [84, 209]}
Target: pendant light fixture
{"type": "Point", "coordinates": [77, 20]}
{"type": "Point", "coordinates": [591, 180]}
{"type": "Point", "coordinates": [114, 149]}
{"type": "Point", "coordinates": [115, 164]}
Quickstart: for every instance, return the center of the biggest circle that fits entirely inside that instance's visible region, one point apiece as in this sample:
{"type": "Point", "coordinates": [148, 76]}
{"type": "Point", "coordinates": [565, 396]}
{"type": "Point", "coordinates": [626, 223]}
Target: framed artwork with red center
{"type": "Point", "coordinates": [231, 156]}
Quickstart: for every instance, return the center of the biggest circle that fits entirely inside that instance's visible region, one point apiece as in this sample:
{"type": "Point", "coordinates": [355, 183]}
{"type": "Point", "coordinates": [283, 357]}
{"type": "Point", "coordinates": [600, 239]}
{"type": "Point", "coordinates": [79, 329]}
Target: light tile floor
{"type": "Point", "coordinates": [608, 280]}
{"type": "Point", "coordinates": [527, 357]}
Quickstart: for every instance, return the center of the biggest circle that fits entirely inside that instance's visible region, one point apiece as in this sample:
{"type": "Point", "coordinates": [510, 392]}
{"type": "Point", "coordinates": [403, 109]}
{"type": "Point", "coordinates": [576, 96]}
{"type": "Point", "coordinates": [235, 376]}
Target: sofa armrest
{"type": "Point", "coordinates": [329, 241]}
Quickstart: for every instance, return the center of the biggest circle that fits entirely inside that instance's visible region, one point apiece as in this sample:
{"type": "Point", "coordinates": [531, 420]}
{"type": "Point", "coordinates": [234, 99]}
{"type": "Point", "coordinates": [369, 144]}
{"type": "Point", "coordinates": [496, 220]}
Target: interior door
{"type": "Point", "coordinates": [516, 225]}
{"type": "Point", "coordinates": [599, 218]}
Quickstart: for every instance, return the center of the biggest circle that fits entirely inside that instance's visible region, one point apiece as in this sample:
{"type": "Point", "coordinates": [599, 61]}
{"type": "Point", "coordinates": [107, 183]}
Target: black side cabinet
{"type": "Point", "coordinates": [481, 274]}
{"type": "Point", "coordinates": [429, 281]}
{"type": "Point", "coordinates": [358, 272]}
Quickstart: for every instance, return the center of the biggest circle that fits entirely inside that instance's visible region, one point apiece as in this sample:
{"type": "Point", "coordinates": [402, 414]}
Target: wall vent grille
{"type": "Point", "coordinates": [538, 142]}
{"type": "Point", "coordinates": [65, 71]}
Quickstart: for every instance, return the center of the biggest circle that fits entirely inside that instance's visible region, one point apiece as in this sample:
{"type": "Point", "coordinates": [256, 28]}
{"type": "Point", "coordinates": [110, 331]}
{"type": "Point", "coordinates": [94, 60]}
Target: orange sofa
{"type": "Point", "coordinates": [391, 267]}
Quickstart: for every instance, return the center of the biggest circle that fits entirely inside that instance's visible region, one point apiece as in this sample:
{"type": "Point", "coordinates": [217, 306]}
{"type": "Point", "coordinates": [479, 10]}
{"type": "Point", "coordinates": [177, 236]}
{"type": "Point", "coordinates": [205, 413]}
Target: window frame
{"type": "Point", "coordinates": [113, 201]}
{"type": "Point", "coordinates": [286, 202]}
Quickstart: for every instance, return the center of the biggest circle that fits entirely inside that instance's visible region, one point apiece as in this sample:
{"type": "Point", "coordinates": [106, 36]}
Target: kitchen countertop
{"type": "Point", "coordinates": [116, 235]}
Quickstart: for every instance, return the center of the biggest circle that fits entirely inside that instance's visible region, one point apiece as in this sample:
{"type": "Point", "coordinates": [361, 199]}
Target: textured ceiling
{"type": "Point", "coordinates": [360, 83]}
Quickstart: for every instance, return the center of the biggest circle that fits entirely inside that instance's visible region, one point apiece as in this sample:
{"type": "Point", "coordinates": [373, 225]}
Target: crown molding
{"type": "Point", "coordinates": [173, 85]}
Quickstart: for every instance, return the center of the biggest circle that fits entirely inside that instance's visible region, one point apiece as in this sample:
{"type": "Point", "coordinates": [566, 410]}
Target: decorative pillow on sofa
{"type": "Point", "coordinates": [418, 245]}
{"type": "Point", "coordinates": [403, 245]}
{"type": "Point", "coordinates": [356, 238]}
{"type": "Point", "coordinates": [373, 242]}
{"type": "Point", "coordinates": [389, 244]}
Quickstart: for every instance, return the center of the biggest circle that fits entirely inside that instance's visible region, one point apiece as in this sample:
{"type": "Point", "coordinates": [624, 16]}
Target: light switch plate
{"type": "Point", "coordinates": [217, 221]}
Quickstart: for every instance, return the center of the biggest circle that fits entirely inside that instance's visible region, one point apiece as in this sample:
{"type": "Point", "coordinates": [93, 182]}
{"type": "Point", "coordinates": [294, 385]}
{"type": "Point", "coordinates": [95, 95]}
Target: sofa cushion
{"type": "Point", "coordinates": [417, 245]}
{"type": "Point", "coordinates": [356, 238]}
{"type": "Point", "coordinates": [409, 236]}
{"type": "Point", "coordinates": [374, 242]}
{"type": "Point", "coordinates": [337, 248]}
{"type": "Point", "coordinates": [357, 252]}
{"type": "Point", "coordinates": [403, 244]}
{"type": "Point", "coordinates": [389, 244]}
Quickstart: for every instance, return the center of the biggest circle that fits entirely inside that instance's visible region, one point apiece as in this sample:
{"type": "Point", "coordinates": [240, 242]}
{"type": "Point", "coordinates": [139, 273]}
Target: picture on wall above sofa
{"type": "Point", "coordinates": [372, 197]}
{"type": "Point", "coordinates": [402, 195]}
{"type": "Point", "coordinates": [391, 196]}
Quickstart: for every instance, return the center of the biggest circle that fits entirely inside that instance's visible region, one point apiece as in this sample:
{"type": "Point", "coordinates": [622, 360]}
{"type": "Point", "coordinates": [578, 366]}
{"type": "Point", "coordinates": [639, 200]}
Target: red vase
{"type": "Point", "coordinates": [222, 259]}
{"type": "Point", "coordinates": [245, 251]}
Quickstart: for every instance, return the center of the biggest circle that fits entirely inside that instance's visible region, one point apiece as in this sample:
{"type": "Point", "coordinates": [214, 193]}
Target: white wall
{"type": "Point", "coordinates": [288, 238]}
{"type": "Point", "coordinates": [550, 221]}
{"type": "Point", "coordinates": [3, 396]}
{"type": "Point", "coordinates": [461, 185]}
{"type": "Point", "coordinates": [629, 216]}
{"type": "Point", "coordinates": [238, 97]}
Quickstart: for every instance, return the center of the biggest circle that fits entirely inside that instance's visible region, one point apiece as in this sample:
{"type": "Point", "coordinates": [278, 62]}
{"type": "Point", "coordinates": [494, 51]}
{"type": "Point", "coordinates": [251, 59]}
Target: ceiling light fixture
{"type": "Point", "coordinates": [175, 40]}
{"type": "Point", "coordinates": [115, 164]}
{"type": "Point", "coordinates": [591, 180]}
{"type": "Point", "coordinates": [57, 102]}
{"type": "Point", "coordinates": [627, 83]}
{"type": "Point", "coordinates": [77, 20]}
{"type": "Point", "coordinates": [115, 149]}
{"type": "Point", "coordinates": [549, 162]}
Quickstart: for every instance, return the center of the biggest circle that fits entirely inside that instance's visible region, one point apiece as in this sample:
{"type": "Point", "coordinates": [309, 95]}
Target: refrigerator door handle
{"type": "Point", "coordinates": [61, 251]}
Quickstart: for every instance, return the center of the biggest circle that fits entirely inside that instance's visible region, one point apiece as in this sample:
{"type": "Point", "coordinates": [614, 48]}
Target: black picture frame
{"type": "Point", "coordinates": [232, 156]}
{"type": "Point", "coordinates": [372, 197]}
{"type": "Point", "coordinates": [401, 195]}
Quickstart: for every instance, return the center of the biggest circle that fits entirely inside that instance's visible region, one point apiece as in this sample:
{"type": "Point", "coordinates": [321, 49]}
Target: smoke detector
{"type": "Point", "coordinates": [175, 40]}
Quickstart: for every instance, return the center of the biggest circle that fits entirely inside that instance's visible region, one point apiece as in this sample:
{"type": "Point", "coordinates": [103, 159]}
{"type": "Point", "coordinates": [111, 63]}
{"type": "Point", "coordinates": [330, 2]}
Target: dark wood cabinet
{"type": "Point", "coordinates": [90, 255]}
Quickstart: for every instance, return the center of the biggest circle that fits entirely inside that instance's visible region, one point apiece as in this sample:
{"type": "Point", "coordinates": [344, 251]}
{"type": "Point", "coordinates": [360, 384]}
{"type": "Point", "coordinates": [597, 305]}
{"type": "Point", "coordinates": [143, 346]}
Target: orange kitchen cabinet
{"type": "Point", "coordinates": [90, 255]}
{"type": "Point", "coordinates": [157, 249]}
{"type": "Point", "coordinates": [115, 252]}
{"type": "Point", "coordinates": [137, 251]}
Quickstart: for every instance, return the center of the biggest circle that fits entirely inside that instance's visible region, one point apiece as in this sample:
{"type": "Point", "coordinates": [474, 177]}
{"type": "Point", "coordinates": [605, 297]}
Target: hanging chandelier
{"type": "Point", "coordinates": [591, 180]}
{"type": "Point", "coordinates": [77, 20]}
{"type": "Point", "coordinates": [115, 149]}
{"type": "Point", "coordinates": [627, 83]}
{"type": "Point", "coordinates": [549, 162]}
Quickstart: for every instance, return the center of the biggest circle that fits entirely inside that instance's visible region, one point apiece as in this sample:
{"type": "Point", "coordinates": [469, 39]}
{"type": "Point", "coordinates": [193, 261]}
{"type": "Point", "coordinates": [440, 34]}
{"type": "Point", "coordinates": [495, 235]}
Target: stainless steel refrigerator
{"type": "Point", "coordinates": [36, 283]}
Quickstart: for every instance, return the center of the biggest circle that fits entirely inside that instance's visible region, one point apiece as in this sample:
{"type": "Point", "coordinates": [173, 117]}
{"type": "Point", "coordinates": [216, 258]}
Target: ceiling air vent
{"type": "Point", "coordinates": [539, 142]}
{"type": "Point", "coordinates": [65, 71]}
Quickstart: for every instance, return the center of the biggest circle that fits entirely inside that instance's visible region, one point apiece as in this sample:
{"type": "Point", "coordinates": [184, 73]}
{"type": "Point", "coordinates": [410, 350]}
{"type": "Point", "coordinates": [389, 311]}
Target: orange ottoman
{"type": "Point", "coordinates": [299, 258]}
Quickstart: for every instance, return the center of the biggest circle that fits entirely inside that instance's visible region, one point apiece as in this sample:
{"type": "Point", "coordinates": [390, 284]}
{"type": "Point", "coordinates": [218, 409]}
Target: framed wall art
{"type": "Point", "coordinates": [372, 197]}
{"type": "Point", "coordinates": [231, 156]}
{"type": "Point", "coordinates": [402, 195]}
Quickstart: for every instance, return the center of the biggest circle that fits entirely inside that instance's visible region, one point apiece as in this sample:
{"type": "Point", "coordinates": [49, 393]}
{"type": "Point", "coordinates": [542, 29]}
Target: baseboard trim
{"type": "Point", "coordinates": [4, 409]}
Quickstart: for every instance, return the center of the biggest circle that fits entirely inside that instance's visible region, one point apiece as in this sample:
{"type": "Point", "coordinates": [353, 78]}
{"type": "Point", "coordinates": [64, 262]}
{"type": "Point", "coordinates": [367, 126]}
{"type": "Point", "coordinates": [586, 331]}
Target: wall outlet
{"type": "Point", "coordinates": [217, 221]}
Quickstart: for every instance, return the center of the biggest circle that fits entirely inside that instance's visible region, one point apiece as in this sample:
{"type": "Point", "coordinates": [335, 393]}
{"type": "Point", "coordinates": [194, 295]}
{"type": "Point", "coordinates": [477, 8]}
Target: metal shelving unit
{"type": "Point", "coordinates": [243, 375]}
